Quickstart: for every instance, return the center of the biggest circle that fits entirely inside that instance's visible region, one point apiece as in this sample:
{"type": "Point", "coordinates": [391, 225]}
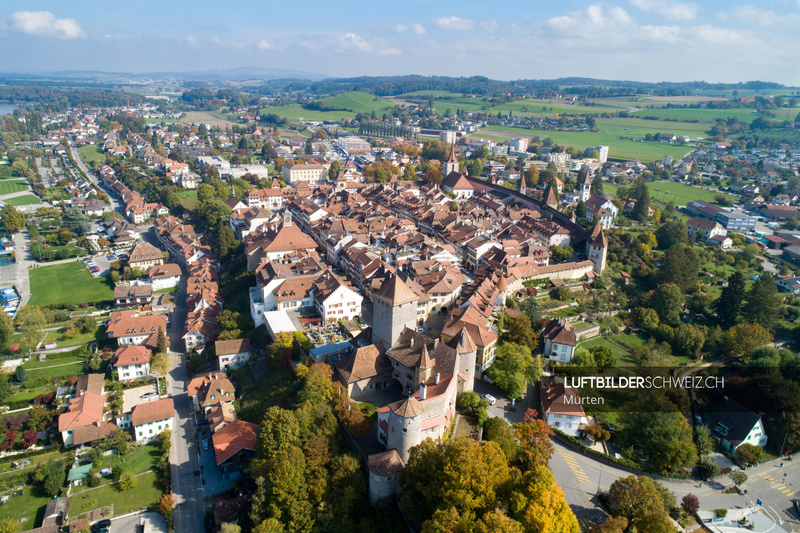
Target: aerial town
{"type": "Point", "coordinates": [246, 322]}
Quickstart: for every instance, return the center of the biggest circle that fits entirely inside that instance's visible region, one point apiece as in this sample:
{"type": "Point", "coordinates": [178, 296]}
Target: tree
{"type": "Point", "coordinates": [497, 522]}
{"type": "Point", "coordinates": [86, 324]}
{"type": "Point", "coordinates": [641, 194]}
{"type": "Point", "coordinates": [513, 367]}
{"type": "Point", "coordinates": [448, 520]}
{"type": "Point", "coordinates": [645, 318]}
{"type": "Point", "coordinates": [653, 424]}
{"type": "Point", "coordinates": [671, 233]}
{"type": "Point", "coordinates": [582, 357]}
{"type": "Point", "coordinates": [763, 302]}
{"type": "Point", "coordinates": [499, 431]}
{"type": "Point", "coordinates": [597, 433]}
{"type": "Point", "coordinates": [748, 454]}
{"type": "Point", "coordinates": [460, 473]}
{"type": "Point", "coordinates": [597, 186]}
{"type": "Point", "coordinates": [612, 524]}
{"type": "Point", "coordinates": [681, 266]}
{"type": "Point", "coordinates": [471, 404]}
{"type": "Point", "coordinates": [76, 222]}
{"type": "Point", "coordinates": [690, 504]}
{"type": "Point", "coordinates": [638, 500]}
{"type": "Point", "coordinates": [270, 525]}
{"type": "Point", "coordinates": [687, 339]}
{"type": "Point", "coordinates": [161, 341]}
{"type": "Point", "coordinates": [11, 218]}
{"type": "Point", "coordinates": [703, 440]}
{"type": "Point", "coordinates": [54, 478]}
{"type": "Point", "coordinates": [738, 477]}
{"type": "Point", "coordinates": [279, 431]}
{"type": "Point", "coordinates": [668, 302]}
{"type": "Point", "coordinates": [731, 300]}
{"type": "Point", "coordinates": [228, 527]}
{"type": "Point", "coordinates": [743, 339]}
{"type": "Point", "coordinates": [64, 236]}
{"type": "Point", "coordinates": [603, 357]}
{"type": "Point", "coordinates": [7, 525]}
{"type": "Point", "coordinates": [127, 481]}
{"type": "Point", "coordinates": [20, 375]}
{"type": "Point", "coordinates": [538, 503]}
{"type": "Point", "coordinates": [561, 253]}
{"type": "Point", "coordinates": [31, 322]}
{"type": "Point", "coordinates": [226, 241]}
{"type": "Point", "coordinates": [749, 253]}
{"type": "Point", "coordinates": [333, 172]}
{"type": "Point", "coordinates": [531, 308]}
{"type": "Point", "coordinates": [159, 363]}
{"type": "Point", "coordinates": [521, 332]}
{"type": "Point", "coordinates": [533, 436]}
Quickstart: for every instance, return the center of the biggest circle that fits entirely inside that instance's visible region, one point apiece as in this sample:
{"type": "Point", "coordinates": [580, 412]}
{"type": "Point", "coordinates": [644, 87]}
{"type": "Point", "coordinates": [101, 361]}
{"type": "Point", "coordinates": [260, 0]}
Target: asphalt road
{"type": "Point", "coordinates": [189, 511]}
{"type": "Point", "coordinates": [115, 203]}
{"type": "Point", "coordinates": [580, 476]}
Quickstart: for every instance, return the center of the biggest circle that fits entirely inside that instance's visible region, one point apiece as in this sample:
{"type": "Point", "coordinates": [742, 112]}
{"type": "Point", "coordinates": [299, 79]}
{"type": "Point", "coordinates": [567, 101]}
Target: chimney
{"type": "Point", "coordinates": [422, 390]}
{"type": "Point", "coordinates": [438, 376]}
{"type": "Point", "coordinates": [411, 342]}
{"type": "Point", "coordinates": [435, 343]}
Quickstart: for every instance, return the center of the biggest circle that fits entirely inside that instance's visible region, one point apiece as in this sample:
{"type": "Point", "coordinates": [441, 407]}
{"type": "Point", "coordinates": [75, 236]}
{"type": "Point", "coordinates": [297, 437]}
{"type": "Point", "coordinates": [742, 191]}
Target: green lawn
{"type": "Point", "coordinates": [12, 186]}
{"type": "Point", "coordinates": [30, 506]}
{"type": "Point", "coordinates": [168, 289]}
{"type": "Point", "coordinates": [146, 492]}
{"type": "Point", "coordinates": [56, 371]}
{"type": "Point", "coordinates": [68, 283]}
{"type": "Point", "coordinates": [681, 193]}
{"type": "Point", "coordinates": [138, 461]}
{"type": "Point", "coordinates": [27, 199]}
{"type": "Point", "coordinates": [188, 198]}
{"type": "Point", "coordinates": [358, 102]}
{"type": "Point", "coordinates": [90, 153]}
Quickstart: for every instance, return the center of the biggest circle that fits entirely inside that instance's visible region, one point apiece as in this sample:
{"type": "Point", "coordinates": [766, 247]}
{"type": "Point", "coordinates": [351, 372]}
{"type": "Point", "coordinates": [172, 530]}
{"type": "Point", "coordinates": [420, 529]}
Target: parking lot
{"type": "Point", "coordinates": [136, 396]}
{"type": "Point", "coordinates": [102, 262]}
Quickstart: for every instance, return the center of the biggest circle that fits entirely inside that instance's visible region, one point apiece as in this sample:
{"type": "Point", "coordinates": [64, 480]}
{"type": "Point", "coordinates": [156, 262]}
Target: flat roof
{"type": "Point", "coordinates": [278, 322]}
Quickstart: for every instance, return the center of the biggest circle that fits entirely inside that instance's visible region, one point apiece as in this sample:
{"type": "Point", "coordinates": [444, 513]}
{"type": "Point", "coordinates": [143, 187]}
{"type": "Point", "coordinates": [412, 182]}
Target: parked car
{"type": "Point", "coordinates": [106, 523]}
{"type": "Point", "coordinates": [205, 444]}
{"type": "Point", "coordinates": [489, 398]}
{"type": "Point", "coordinates": [149, 395]}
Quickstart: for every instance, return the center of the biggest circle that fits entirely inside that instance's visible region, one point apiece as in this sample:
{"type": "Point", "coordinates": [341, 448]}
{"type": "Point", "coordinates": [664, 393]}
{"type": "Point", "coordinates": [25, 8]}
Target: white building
{"type": "Point", "coordinates": [560, 341]}
{"type": "Point", "coordinates": [563, 410]}
{"type": "Point", "coordinates": [334, 300]}
{"type": "Point", "coordinates": [151, 418]}
{"type": "Point", "coordinates": [131, 362]}
{"type": "Point", "coordinates": [311, 172]}
{"type": "Point", "coordinates": [233, 353]}
{"type": "Point", "coordinates": [164, 276]}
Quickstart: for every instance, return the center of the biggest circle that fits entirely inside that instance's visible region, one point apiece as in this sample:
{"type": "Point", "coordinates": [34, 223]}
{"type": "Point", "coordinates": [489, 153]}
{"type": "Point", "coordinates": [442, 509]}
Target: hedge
{"type": "Point", "coordinates": [31, 453]}
{"type": "Point", "coordinates": [18, 404]}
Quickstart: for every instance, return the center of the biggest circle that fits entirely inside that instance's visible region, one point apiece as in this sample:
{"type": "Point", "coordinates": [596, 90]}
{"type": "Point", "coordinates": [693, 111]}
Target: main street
{"type": "Point", "coordinates": [580, 476]}
{"type": "Point", "coordinates": [189, 511]}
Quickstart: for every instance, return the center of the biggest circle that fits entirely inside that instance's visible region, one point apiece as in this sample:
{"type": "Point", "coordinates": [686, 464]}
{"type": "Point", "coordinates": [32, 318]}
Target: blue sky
{"type": "Point", "coordinates": [646, 40]}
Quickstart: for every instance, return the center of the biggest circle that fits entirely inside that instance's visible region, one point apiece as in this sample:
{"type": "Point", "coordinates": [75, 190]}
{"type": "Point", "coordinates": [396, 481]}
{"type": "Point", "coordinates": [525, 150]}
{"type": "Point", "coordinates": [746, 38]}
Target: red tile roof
{"type": "Point", "coordinates": [145, 413]}
{"type": "Point", "coordinates": [233, 438]}
{"type": "Point", "coordinates": [131, 355]}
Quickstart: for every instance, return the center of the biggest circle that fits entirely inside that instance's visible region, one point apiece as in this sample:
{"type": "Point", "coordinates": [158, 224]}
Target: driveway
{"type": "Point", "coordinates": [502, 407]}
{"type": "Point", "coordinates": [152, 522]}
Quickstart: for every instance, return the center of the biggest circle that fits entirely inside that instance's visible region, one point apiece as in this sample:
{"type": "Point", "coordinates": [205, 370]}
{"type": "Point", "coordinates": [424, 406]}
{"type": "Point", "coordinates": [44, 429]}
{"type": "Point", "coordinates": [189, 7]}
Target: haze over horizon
{"type": "Point", "coordinates": [643, 40]}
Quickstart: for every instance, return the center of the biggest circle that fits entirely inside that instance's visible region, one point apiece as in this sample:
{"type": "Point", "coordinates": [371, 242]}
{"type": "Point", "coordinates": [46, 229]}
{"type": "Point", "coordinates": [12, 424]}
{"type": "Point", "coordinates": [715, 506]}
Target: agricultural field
{"type": "Point", "coordinates": [206, 117]}
{"type": "Point", "coordinates": [12, 186]}
{"type": "Point", "coordinates": [90, 153]}
{"type": "Point", "coordinates": [295, 113]}
{"type": "Point", "coordinates": [681, 193]}
{"type": "Point", "coordinates": [68, 283]}
{"type": "Point", "coordinates": [27, 199]}
{"type": "Point", "coordinates": [619, 150]}
{"type": "Point", "coordinates": [358, 102]}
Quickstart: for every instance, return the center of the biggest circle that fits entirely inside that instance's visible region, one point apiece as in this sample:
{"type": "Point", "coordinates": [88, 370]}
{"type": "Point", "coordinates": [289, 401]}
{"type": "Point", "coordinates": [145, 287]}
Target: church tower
{"type": "Point", "coordinates": [451, 165]}
{"type": "Point", "coordinates": [586, 187]}
{"type": "Point", "coordinates": [394, 309]}
{"type": "Point", "coordinates": [596, 248]}
{"type": "Point", "coordinates": [522, 185]}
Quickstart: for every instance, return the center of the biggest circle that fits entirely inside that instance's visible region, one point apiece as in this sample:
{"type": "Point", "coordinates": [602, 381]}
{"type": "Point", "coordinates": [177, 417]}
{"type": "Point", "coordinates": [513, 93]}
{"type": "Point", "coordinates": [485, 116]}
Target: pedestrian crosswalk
{"type": "Point", "coordinates": [585, 524]}
{"type": "Point", "coordinates": [575, 467]}
{"type": "Point", "coordinates": [777, 484]}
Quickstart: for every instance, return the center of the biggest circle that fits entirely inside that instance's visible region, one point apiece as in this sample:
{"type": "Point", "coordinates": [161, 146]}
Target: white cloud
{"type": "Point", "coordinates": [266, 45]}
{"type": "Point", "coordinates": [191, 39]}
{"type": "Point", "coordinates": [45, 24]}
{"type": "Point", "coordinates": [667, 9]}
{"type": "Point", "coordinates": [419, 29]}
{"type": "Point", "coordinates": [454, 23]}
{"type": "Point", "coordinates": [400, 28]}
{"type": "Point", "coordinates": [490, 25]}
{"type": "Point", "coordinates": [227, 43]}
{"type": "Point", "coordinates": [753, 14]}
{"type": "Point", "coordinates": [390, 52]}
{"type": "Point", "coordinates": [351, 40]}
{"type": "Point", "coordinates": [592, 18]}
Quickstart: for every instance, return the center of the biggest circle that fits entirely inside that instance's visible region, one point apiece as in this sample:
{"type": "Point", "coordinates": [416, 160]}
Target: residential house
{"type": "Point", "coordinates": [164, 276]}
{"type": "Point", "coordinates": [560, 341]}
{"type": "Point", "coordinates": [84, 421]}
{"type": "Point", "coordinates": [563, 410]}
{"type": "Point", "coordinates": [151, 418]}
{"type": "Point", "coordinates": [131, 362]}
{"type": "Point", "coordinates": [233, 353]}
{"type": "Point", "coordinates": [126, 295]}
{"type": "Point", "coordinates": [733, 425]}
{"type": "Point", "coordinates": [126, 327]}
{"type": "Point", "coordinates": [144, 255]}
{"type": "Point", "coordinates": [234, 446]}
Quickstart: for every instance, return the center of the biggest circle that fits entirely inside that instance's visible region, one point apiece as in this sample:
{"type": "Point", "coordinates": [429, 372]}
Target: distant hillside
{"type": "Point", "coordinates": [356, 102]}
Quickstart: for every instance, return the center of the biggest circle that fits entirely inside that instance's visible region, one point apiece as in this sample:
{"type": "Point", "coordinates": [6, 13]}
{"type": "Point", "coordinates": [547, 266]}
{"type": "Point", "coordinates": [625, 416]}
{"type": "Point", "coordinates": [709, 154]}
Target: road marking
{"type": "Point", "coordinates": [586, 524]}
{"type": "Point", "coordinates": [573, 465]}
{"type": "Point", "coordinates": [790, 494]}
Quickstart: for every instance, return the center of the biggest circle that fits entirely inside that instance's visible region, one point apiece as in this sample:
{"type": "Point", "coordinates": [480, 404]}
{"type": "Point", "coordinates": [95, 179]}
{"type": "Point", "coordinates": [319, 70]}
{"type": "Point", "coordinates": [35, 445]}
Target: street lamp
{"type": "Point", "coordinates": [599, 478]}
{"type": "Point", "coordinates": [784, 442]}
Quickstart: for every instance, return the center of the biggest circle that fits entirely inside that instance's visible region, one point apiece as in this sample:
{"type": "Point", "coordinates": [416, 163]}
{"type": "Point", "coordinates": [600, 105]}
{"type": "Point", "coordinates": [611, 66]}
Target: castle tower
{"type": "Point", "coordinates": [467, 358]}
{"type": "Point", "coordinates": [596, 248]}
{"type": "Point", "coordinates": [586, 187]}
{"type": "Point", "coordinates": [394, 309]}
{"type": "Point", "coordinates": [550, 197]}
{"type": "Point", "coordinates": [405, 426]}
{"type": "Point", "coordinates": [502, 293]}
{"type": "Point", "coordinates": [522, 185]}
{"type": "Point", "coordinates": [287, 218]}
{"type": "Point", "coordinates": [425, 365]}
{"type": "Point", "coordinates": [451, 165]}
